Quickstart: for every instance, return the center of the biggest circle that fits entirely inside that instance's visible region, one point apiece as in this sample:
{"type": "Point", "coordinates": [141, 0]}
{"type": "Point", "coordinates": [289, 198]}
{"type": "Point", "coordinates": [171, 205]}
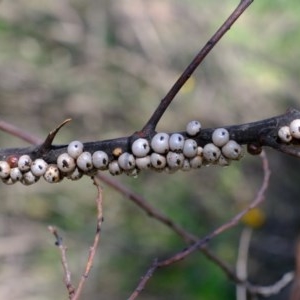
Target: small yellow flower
{"type": "Point", "coordinates": [255, 218]}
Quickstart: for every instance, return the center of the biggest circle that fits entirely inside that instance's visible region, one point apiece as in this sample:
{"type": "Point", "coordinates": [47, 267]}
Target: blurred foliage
{"type": "Point", "coordinates": [107, 64]}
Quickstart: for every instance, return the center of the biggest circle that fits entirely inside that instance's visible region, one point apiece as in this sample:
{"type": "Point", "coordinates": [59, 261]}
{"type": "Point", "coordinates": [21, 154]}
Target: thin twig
{"type": "Point", "coordinates": [94, 247]}
{"type": "Point", "coordinates": [275, 288]}
{"type": "Point", "coordinates": [18, 132]}
{"type": "Point", "coordinates": [295, 292]}
{"type": "Point", "coordinates": [165, 102]}
{"type": "Point", "coordinates": [143, 281]}
{"type": "Point", "coordinates": [63, 250]}
{"type": "Point", "coordinates": [242, 262]}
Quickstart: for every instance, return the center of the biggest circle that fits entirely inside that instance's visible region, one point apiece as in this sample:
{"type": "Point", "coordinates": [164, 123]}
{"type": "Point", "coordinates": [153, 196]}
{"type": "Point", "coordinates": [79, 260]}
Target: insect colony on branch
{"type": "Point", "coordinates": [165, 152]}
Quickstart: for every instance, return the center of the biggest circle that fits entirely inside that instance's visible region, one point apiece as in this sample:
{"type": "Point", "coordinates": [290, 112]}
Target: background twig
{"type": "Point", "coordinates": [203, 241]}
{"type": "Point", "coordinates": [63, 252]}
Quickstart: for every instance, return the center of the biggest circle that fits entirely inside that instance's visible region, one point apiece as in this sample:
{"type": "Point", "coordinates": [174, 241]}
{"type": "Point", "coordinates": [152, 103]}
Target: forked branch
{"type": "Point", "coordinates": [123, 155]}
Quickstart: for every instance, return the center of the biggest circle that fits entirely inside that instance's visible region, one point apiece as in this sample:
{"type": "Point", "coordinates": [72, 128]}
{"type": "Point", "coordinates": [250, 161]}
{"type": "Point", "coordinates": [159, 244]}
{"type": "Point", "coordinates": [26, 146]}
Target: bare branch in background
{"type": "Point", "coordinates": [75, 293]}
{"type": "Point", "coordinates": [63, 253]}
{"type": "Point", "coordinates": [201, 243]}
{"type": "Point", "coordinates": [242, 262]}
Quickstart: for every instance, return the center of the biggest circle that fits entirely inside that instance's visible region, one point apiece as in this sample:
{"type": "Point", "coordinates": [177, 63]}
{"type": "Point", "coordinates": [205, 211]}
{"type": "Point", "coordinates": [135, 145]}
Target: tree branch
{"type": "Point", "coordinates": [262, 133]}
{"type": "Point", "coordinates": [166, 101]}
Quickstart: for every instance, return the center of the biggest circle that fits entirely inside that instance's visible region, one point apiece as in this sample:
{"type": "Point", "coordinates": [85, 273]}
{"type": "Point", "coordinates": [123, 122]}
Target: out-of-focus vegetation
{"type": "Point", "coordinates": [107, 64]}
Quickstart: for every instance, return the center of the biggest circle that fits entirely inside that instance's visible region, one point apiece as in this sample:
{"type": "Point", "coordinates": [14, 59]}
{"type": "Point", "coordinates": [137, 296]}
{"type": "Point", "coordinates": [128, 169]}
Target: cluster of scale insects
{"type": "Point", "coordinates": [165, 152]}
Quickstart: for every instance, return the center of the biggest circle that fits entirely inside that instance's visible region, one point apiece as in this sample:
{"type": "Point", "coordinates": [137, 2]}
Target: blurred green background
{"type": "Point", "coordinates": [107, 64]}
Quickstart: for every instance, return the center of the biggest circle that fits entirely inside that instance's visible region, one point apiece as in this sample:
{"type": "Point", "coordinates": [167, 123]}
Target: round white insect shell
{"type": "Point", "coordinates": [16, 174]}
{"type": "Point", "coordinates": [66, 163]}
{"type": "Point", "coordinates": [220, 137]}
{"type": "Point", "coordinates": [8, 181]}
{"type": "Point", "coordinates": [39, 167]}
{"type": "Point", "coordinates": [158, 161]}
{"type": "Point", "coordinates": [133, 173]}
{"type": "Point", "coordinates": [126, 161]}
{"type": "Point", "coordinates": [75, 175]}
{"type": "Point", "coordinates": [186, 165]}
{"type": "Point", "coordinates": [28, 178]}
{"type": "Point", "coordinates": [4, 169]}
{"type": "Point", "coordinates": [114, 168]}
{"type": "Point", "coordinates": [175, 160]}
{"type": "Point", "coordinates": [84, 161]}
{"type": "Point", "coordinates": [223, 161]}
{"type": "Point", "coordinates": [52, 174]}
{"type": "Point", "coordinates": [143, 163]}
{"type": "Point", "coordinates": [24, 163]}
{"type": "Point", "coordinates": [169, 170]}
{"type": "Point", "coordinates": [100, 160]}
{"type": "Point", "coordinates": [232, 150]}
{"type": "Point", "coordinates": [295, 128]}
{"type": "Point", "coordinates": [75, 148]}
{"type": "Point", "coordinates": [176, 142]}
{"type": "Point", "coordinates": [196, 162]}
{"type": "Point", "coordinates": [140, 147]}
{"type": "Point", "coordinates": [284, 134]}
{"type": "Point", "coordinates": [193, 128]}
{"type": "Point", "coordinates": [211, 152]}
{"type": "Point", "coordinates": [199, 151]}
{"type": "Point", "coordinates": [190, 148]}
{"type": "Point", "coordinates": [160, 143]}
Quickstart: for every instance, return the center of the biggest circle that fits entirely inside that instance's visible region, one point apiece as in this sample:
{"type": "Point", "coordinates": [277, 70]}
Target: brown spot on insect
{"type": "Point", "coordinates": [117, 152]}
{"type": "Point", "coordinates": [254, 148]}
{"type": "Point", "coordinates": [12, 160]}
